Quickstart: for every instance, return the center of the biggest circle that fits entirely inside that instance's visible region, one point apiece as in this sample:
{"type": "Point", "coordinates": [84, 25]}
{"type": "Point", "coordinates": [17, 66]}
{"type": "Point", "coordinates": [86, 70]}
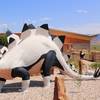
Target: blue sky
{"type": "Point", "coordinates": [82, 16]}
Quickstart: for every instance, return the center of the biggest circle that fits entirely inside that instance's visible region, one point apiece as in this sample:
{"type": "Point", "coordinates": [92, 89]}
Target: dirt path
{"type": "Point", "coordinates": [84, 90]}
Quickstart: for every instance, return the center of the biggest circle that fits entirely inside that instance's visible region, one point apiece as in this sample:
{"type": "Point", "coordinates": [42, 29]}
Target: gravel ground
{"type": "Point", "coordinates": [83, 90]}
{"type": "Point", "coordinates": [77, 90]}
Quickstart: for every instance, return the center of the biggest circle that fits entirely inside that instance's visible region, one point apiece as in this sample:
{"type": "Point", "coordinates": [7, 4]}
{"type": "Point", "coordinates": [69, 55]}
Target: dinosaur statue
{"type": "Point", "coordinates": [34, 52]}
{"type": "Point", "coordinates": [12, 40]}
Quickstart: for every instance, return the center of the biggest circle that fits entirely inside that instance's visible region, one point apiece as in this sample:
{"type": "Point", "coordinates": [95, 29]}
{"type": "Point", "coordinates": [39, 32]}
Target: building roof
{"type": "Point", "coordinates": [92, 35]}
{"type": "Point", "coordinates": [67, 32]}
{"type": "Point", "coordinates": [70, 34]}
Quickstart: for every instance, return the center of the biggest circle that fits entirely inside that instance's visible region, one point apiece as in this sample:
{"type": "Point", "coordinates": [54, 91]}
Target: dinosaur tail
{"type": "Point", "coordinates": [69, 71]}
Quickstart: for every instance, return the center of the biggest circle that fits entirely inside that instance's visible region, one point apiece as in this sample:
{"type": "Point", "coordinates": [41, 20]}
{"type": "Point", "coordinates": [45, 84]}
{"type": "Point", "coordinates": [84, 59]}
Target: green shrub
{"type": "Point", "coordinates": [3, 39]}
{"type": "Point", "coordinates": [95, 65]}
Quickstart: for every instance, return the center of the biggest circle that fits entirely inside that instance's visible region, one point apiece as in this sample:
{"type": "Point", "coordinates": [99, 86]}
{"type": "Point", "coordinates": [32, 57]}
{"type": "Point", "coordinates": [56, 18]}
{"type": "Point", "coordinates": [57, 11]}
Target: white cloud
{"type": "Point", "coordinates": [3, 27]}
{"type": "Point", "coordinates": [38, 21]}
{"type": "Point", "coordinates": [45, 19]}
{"type": "Point", "coordinates": [88, 29]}
{"type": "Point", "coordinates": [28, 20]}
{"type": "Point", "coordinates": [42, 20]}
{"type": "Point", "coordinates": [81, 11]}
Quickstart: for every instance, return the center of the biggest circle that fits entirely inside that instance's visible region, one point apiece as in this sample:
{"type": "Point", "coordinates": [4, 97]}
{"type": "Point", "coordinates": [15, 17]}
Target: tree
{"type": "Point", "coordinates": [3, 39]}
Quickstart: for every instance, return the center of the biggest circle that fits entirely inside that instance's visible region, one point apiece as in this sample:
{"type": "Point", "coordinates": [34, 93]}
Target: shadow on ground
{"type": "Point", "coordinates": [14, 87]}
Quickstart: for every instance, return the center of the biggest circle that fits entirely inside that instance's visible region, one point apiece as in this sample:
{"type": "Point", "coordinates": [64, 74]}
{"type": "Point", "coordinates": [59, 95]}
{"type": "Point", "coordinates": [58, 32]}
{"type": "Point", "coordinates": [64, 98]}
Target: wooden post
{"type": "Point", "coordinates": [59, 90]}
{"type": "Point", "coordinates": [80, 67]}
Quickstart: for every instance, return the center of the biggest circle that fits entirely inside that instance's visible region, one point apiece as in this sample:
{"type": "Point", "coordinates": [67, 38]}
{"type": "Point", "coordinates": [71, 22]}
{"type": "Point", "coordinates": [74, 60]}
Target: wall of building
{"type": "Point", "coordinates": [81, 46]}
{"type": "Point", "coordinates": [95, 42]}
{"type": "Point", "coordinates": [73, 41]}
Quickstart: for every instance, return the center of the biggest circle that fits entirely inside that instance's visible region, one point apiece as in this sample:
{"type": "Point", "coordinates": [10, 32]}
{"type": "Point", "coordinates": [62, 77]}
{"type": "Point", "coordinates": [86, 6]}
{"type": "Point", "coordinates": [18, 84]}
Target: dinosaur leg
{"type": "Point", "coordinates": [23, 73]}
{"type": "Point", "coordinates": [47, 64]}
{"type": "Point", "coordinates": [2, 83]}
